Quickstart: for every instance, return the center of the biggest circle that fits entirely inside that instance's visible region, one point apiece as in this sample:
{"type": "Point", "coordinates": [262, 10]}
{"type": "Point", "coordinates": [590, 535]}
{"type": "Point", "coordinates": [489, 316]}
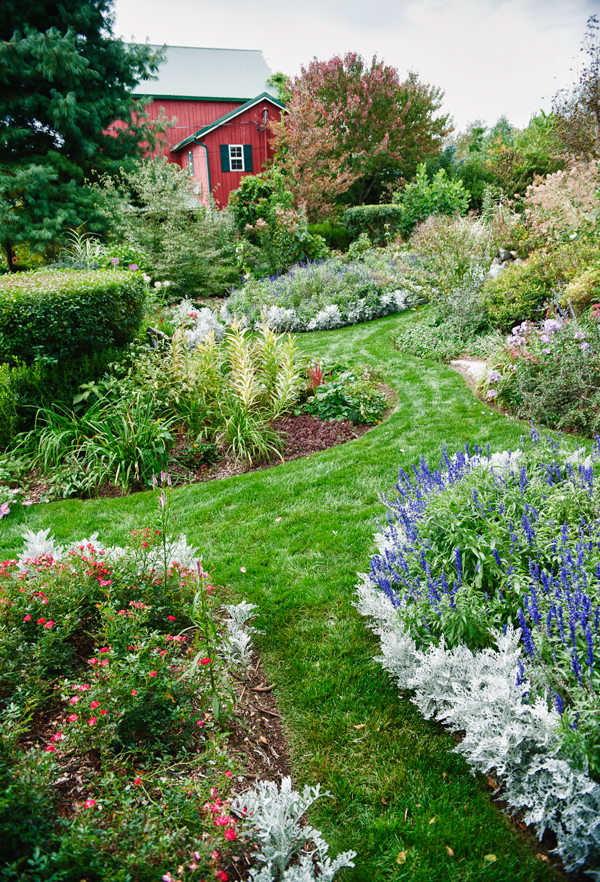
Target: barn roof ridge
{"type": "Point", "coordinates": [222, 119]}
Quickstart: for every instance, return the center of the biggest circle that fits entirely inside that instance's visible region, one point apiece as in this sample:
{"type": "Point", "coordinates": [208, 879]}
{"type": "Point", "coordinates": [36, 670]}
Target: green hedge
{"type": "Point", "coordinates": [381, 222]}
{"type": "Point", "coordinates": [335, 236]}
{"type": "Point", "coordinates": [54, 316]}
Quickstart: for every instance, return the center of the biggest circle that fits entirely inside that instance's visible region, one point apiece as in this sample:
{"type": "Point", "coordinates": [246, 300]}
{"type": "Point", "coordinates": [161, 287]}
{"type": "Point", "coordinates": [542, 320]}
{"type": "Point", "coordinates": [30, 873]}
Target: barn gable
{"type": "Point", "coordinates": [203, 92]}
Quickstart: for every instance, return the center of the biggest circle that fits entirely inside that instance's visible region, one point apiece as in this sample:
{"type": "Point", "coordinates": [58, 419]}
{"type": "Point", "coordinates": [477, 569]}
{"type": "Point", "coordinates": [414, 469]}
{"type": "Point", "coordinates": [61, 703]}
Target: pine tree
{"type": "Point", "coordinates": [64, 81]}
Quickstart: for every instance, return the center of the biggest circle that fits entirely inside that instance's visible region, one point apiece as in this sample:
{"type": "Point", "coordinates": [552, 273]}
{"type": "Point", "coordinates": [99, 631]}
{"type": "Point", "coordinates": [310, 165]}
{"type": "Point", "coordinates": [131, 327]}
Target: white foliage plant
{"type": "Point", "coordinates": [482, 693]}
{"type": "Point", "coordinates": [273, 817]}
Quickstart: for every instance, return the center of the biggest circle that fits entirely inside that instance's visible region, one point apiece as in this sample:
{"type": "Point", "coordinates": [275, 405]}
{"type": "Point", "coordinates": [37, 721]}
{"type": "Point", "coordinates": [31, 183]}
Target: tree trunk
{"type": "Point", "coordinates": [10, 257]}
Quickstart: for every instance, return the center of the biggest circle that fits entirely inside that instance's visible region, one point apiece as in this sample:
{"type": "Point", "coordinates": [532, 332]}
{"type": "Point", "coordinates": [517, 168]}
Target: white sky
{"type": "Point", "coordinates": [490, 57]}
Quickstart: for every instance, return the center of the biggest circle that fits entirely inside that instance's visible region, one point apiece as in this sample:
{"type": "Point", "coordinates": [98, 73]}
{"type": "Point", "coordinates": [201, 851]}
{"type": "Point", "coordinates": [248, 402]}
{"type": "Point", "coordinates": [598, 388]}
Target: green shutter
{"type": "Point", "coordinates": [224, 148]}
{"type": "Point", "coordinates": [248, 157]}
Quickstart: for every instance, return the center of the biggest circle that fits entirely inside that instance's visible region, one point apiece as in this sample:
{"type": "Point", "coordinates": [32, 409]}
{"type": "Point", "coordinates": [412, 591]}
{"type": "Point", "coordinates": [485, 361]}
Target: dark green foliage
{"type": "Point", "coordinates": [522, 292]}
{"type": "Point", "coordinates": [26, 388]}
{"type": "Point", "coordinates": [380, 222]}
{"type": "Point", "coordinates": [349, 395]}
{"type": "Point", "coordinates": [53, 316]}
{"type": "Point", "coordinates": [64, 81]}
{"type": "Point", "coordinates": [336, 237]}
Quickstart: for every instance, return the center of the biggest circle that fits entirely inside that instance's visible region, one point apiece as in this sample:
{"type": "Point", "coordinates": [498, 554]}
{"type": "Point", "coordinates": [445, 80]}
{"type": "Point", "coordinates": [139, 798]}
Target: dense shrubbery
{"type": "Point", "coordinates": [153, 211]}
{"type": "Point", "coordinates": [483, 545]}
{"type": "Point", "coordinates": [53, 316]}
{"type": "Point", "coordinates": [327, 294]}
{"type": "Point", "coordinates": [341, 392]}
{"type": "Point", "coordinates": [525, 291]}
{"type": "Point", "coordinates": [379, 222]}
{"type": "Point", "coordinates": [423, 198]}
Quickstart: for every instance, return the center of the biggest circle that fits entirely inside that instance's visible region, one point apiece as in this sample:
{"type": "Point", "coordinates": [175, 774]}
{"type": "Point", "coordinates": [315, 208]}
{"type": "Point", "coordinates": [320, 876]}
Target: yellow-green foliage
{"type": "Point", "coordinates": [583, 290]}
{"type": "Point", "coordinates": [522, 292]}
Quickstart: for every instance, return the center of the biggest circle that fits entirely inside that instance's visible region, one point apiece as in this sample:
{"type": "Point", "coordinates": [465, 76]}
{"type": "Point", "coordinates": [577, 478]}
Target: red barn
{"type": "Point", "coordinates": [220, 103]}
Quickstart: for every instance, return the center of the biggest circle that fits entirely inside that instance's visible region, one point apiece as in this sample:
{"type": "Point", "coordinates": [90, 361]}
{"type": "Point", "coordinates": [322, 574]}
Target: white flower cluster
{"type": "Point", "coordinates": [273, 817]}
{"type": "Point", "coordinates": [178, 551]}
{"type": "Point", "coordinates": [482, 694]}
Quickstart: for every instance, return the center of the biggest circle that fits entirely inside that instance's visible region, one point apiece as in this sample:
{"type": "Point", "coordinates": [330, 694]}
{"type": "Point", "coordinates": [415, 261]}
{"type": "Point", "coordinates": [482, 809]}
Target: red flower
{"type": "Point", "coordinates": [92, 721]}
{"type": "Point", "coordinates": [41, 621]}
{"type": "Point", "coordinates": [103, 712]}
{"type": "Point", "coordinates": [230, 835]}
{"type": "Point", "coordinates": [152, 674]}
{"type": "Point", "coordinates": [228, 774]}
{"type": "Point", "coordinates": [73, 717]}
{"type": "Point", "coordinates": [27, 619]}
{"type": "Point", "coordinates": [89, 803]}
{"type": "Point", "coordinates": [49, 625]}
{"type": "Point", "coordinates": [138, 781]}
{"type": "Point", "coordinates": [94, 705]}
{"type": "Point", "coordinates": [172, 618]}
{"type": "Point", "coordinates": [205, 661]}
{"type": "Point", "coordinates": [51, 749]}
{"type": "Point", "coordinates": [133, 692]}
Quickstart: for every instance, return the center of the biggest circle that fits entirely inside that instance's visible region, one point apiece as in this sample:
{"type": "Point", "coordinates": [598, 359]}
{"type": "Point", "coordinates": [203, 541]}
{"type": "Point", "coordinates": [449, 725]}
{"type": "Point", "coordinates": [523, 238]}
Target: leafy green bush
{"type": "Point", "coordinates": [53, 316]}
{"type": "Point", "coordinates": [441, 338]}
{"type": "Point", "coordinates": [26, 388]}
{"type": "Point", "coordinates": [339, 393]}
{"type": "Point", "coordinates": [336, 237]}
{"type": "Point", "coordinates": [422, 198]}
{"type": "Point", "coordinates": [523, 291]}
{"type": "Point", "coordinates": [379, 222]}
{"type": "Point", "coordinates": [154, 211]}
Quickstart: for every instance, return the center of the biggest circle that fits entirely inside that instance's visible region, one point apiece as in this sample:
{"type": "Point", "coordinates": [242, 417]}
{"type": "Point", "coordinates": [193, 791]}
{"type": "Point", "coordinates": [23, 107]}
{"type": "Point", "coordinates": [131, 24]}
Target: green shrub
{"type": "Point", "coordinates": [336, 237]}
{"type": "Point", "coordinates": [521, 292]}
{"type": "Point", "coordinates": [26, 388]}
{"type": "Point", "coordinates": [422, 198]}
{"type": "Point", "coordinates": [380, 222]}
{"type": "Point", "coordinates": [53, 316]}
{"type": "Point", "coordinates": [441, 337]}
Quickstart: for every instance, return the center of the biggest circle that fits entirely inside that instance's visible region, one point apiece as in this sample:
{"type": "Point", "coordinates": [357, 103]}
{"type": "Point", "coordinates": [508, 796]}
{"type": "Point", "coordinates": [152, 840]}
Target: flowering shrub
{"type": "Point", "coordinates": [95, 641]}
{"type": "Point", "coordinates": [563, 205]}
{"type": "Point", "coordinates": [549, 371]}
{"type": "Point", "coordinates": [491, 545]}
{"type": "Point", "coordinates": [324, 295]}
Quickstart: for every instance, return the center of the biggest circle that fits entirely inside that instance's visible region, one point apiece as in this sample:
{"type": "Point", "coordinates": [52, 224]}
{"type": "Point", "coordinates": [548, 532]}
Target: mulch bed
{"type": "Point", "coordinates": [302, 435]}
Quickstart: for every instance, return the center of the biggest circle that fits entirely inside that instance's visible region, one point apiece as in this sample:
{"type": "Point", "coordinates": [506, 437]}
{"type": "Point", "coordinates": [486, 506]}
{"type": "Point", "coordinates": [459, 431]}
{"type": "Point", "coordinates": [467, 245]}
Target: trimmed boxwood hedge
{"type": "Point", "coordinates": [55, 316]}
{"type": "Point", "coordinates": [373, 219]}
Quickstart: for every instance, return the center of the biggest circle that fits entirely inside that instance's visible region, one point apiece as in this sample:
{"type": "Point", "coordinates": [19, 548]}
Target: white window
{"type": "Point", "coordinates": [236, 157]}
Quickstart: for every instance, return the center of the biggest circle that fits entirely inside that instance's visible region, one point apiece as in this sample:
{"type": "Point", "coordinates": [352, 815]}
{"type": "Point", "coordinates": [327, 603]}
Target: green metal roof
{"type": "Point", "coordinates": [222, 119]}
{"type": "Point", "coordinates": [194, 72]}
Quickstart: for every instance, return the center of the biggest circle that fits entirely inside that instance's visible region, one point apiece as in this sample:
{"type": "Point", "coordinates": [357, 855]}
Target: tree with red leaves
{"type": "Point", "coordinates": [365, 130]}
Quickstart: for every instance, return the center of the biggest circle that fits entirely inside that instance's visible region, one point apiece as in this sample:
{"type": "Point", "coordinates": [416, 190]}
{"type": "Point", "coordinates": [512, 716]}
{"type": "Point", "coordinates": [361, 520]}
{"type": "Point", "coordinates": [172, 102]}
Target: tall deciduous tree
{"type": "Point", "coordinates": [64, 80]}
{"type": "Point", "coordinates": [577, 110]}
{"type": "Point", "coordinates": [374, 129]}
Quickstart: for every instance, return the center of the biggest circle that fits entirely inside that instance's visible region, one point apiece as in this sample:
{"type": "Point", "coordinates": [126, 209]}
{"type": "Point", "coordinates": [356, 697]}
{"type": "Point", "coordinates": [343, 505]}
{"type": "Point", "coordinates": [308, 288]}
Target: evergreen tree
{"type": "Point", "coordinates": [64, 82]}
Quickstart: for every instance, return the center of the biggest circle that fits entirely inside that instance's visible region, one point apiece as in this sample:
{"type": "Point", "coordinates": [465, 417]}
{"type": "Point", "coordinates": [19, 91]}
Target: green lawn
{"type": "Point", "coordinates": [396, 785]}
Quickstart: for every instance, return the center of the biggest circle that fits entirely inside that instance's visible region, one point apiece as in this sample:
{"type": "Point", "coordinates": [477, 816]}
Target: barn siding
{"type": "Point", "coordinates": [240, 130]}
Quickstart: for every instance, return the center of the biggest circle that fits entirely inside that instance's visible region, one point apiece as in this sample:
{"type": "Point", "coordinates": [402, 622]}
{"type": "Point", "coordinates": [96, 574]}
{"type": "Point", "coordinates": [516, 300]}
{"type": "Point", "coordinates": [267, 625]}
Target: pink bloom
{"type": "Point", "coordinates": [50, 749]}
{"type": "Point", "coordinates": [214, 792]}
{"type": "Point", "coordinates": [27, 619]}
{"type": "Point", "coordinates": [152, 674]}
{"type": "Point", "coordinates": [104, 583]}
{"type": "Point", "coordinates": [84, 688]}
{"type": "Point", "coordinates": [58, 737]}
{"type": "Point", "coordinates": [230, 835]}
{"type": "Point", "coordinates": [89, 803]}
{"type": "Point", "coordinates": [138, 782]}
{"type": "Point", "coordinates": [133, 267]}
{"type": "Point", "coordinates": [73, 717]}
{"type": "Point", "coordinates": [222, 876]}
{"type": "Point", "coordinates": [133, 692]}
{"type": "Point", "coordinates": [172, 618]}
{"type": "Point", "coordinates": [94, 705]}
{"type": "Point", "coordinates": [205, 661]}
{"type": "Point", "coordinates": [93, 661]}
{"type": "Point", "coordinates": [104, 662]}
{"type": "Point", "coordinates": [4, 510]}
{"type": "Point", "coordinates": [49, 625]}
{"type": "Point", "coordinates": [74, 700]}
{"type": "Point", "coordinates": [144, 545]}
{"type": "Point", "coordinates": [41, 621]}
{"type": "Point", "coordinates": [163, 652]}
{"type": "Point", "coordinates": [199, 722]}
{"type": "Point", "coordinates": [215, 855]}
{"type": "Point", "coordinates": [103, 712]}
{"type": "Point", "coordinates": [105, 649]}
{"type": "Point", "coordinates": [228, 774]}
{"type": "Point", "coordinates": [92, 721]}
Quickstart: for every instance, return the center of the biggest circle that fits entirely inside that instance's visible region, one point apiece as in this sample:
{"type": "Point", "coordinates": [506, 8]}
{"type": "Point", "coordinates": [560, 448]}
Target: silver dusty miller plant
{"type": "Point", "coordinates": [236, 649]}
{"type": "Point", "coordinates": [272, 817]}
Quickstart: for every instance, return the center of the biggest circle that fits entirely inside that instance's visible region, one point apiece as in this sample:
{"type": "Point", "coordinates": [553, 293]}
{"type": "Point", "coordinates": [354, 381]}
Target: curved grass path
{"type": "Point", "coordinates": [396, 785]}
